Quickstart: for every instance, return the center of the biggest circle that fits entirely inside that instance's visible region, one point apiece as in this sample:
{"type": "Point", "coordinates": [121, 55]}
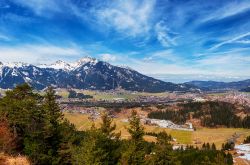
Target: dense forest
{"type": "Point", "coordinates": [211, 114]}
{"type": "Point", "coordinates": [33, 125]}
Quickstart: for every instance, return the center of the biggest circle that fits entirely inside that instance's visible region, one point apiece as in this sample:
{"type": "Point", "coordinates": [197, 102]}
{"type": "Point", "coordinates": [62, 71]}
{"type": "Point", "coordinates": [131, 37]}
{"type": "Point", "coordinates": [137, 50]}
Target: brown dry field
{"type": "Point", "coordinates": [13, 160]}
{"type": "Point", "coordinates": [211, 135]}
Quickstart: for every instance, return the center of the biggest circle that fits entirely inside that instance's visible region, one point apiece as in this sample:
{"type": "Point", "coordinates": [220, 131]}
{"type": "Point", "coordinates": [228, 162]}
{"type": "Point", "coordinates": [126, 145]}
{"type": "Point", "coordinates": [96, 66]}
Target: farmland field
{"type": "Point", "coordinates": [211, 135]}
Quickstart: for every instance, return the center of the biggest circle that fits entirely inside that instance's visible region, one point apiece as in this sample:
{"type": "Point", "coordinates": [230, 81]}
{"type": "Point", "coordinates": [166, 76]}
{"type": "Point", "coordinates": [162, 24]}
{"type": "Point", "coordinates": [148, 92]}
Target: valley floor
{"type": "Point", "coordinates": [198, 137]}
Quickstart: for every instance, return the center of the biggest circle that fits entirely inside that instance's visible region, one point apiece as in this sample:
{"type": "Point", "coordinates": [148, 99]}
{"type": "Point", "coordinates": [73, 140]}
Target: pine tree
{"type": "Point", "coordinates": [22, 108]}
{"type": "Point", "coordinates": [107, 128]}
{"type": "Point", "coordinates": [203, 146]}
{"type": "Point", "coordinates": [90, 151]}
{"type": "Point", "coordinates": [213, 147]}
{"type": "Point", "coordinates": [134, 150]}
{"type": "Point", "coordinates": [163, 152]}
{"type": "Point", "coordinates": [100, 146]}
{"type": "Point", "coordinates": [112, 140]}
{"type": "Point", "coordinates": [205, 161]}
{"type": "Point", "coordinates": [136, 130]}
{"type": "Point", "coordinates": [229, 158]}
{"type": "Point", "coordinates": [53, 119]}
{"type": "Point", "coordinates": [219, 159]}
{"type": "Point", "coordinates": [208, 146]}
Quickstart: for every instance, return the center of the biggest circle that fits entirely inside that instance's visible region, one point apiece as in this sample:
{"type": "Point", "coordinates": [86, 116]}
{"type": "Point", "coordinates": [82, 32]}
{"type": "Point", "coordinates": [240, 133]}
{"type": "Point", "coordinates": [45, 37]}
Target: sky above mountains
{"type": "Point", "coordinates": [157, 37]}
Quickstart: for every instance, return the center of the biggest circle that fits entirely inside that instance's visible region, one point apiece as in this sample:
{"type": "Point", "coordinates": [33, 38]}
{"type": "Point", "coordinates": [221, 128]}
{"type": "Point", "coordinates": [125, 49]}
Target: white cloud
{"type": "Point", "coordinates": [163, 35]}
{"type": "Point", "coordinates": [4, 37]}
{"type": "Point", "coordinates": [164, 55]}
{"type": "Point", "coordinates": [234, 64]}
{"type": "Point", "coordinates": [38, 53]}
{"type": "Point", "coordinates": [243, 41]}
{"type": "Point", "coordinates": [232, 8]}
{"type": "Point", "coordinates": [221, 65]}
{"type": "Point", "coordinates": [228, 59]}
{"type": "Point", "coordinates": [157, 67]}
{"type": "Point", "coordinates": [232, 40]}
{"type": "Point", "coordinates": [40, 7]}
{"type": "Point", "coordinates": [131, 17]}
{"type": "Point", "coordinates": [108, 57]}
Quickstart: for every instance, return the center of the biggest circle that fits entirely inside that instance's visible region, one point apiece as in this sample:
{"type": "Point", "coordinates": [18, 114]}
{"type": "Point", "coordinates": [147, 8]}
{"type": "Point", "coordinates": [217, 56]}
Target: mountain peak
{"type": "Point", "coordinates": [15, 64]}
{"type": "Point", "coordinates": [83, 61]}
{"type": "Point", "coordinates": [70, 66]}
{"type": "Point", "coordinates": [61, 65]}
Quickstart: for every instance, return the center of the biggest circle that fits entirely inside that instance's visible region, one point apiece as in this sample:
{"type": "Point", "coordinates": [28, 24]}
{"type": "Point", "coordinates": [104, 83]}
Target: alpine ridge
{"type": "Point", "coordinates": [86, 73]}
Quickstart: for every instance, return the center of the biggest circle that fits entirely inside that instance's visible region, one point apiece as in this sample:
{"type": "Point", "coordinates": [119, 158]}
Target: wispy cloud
{"type": "Point", "coordinates": [5, 37]}
{"type": "Point", "coordinates": [131, 17]}
{"type": "Point", "coordinates": [41, 7]}
{"type": "Point", "coordinates": [164, 35]}
{"type": "Point", "coordinates": [234, 64]}
{"type": "Point", "coordinates": [108, 57]}
{"type": "Point", "coordinates": [164, 55]}
{"type": "Point", "coordinates": [228, 10]}
{"type": "Point", "coordinates": [232, 40]}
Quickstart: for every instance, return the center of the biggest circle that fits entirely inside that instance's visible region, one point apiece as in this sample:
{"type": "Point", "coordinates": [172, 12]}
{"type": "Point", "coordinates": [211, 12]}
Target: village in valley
{"type": "Point", "coordinates": [119, 104]}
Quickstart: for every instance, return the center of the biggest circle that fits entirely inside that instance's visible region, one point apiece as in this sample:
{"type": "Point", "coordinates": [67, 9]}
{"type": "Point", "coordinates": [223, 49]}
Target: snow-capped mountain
{"type": "Point", "coordinates": [70, 66]}
{"type": "Point", "coordinates": [86, 73]}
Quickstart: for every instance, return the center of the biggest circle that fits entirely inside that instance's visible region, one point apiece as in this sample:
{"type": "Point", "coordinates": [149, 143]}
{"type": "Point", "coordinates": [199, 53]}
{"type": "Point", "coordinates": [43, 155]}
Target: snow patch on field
{"type": "Point", "coordinates": [243, 149]}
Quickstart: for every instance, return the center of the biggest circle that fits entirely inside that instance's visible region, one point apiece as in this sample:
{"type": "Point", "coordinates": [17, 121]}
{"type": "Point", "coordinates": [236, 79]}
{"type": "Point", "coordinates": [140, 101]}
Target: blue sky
{"type": "Point", "coordinates": [181, 39]}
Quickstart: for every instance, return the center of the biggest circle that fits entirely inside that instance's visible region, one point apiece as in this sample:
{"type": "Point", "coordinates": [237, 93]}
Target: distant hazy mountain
{"type": "Point", "coordinates": [245, 89]}
{"type": "Point", "coordinates": [87, 73]}
{"type": "Point", "coordinates": [214, 85]}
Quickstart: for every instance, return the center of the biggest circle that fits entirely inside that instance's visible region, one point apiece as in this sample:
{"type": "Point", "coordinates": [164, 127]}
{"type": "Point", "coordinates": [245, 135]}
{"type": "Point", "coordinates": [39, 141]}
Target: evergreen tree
{"type": "Point", "coordinates": [100, 146]}
{"type": "Point", "coordinates": [90, 151]}
{"type": "Point", "coordinates": [205, 161]}
{"type": "Point", "coordinates": [107, 128]}
{"type": "Point", "coordinates": [208, 146]}
{"type": "Point", "coordinates": [136, 130]}
{"type": "Point", "coordinates": [229, 159]}
{"type": "Point", "coordinates": [213, 147]}
{"type": "Point", "coordinates": [163, 152]}
{"type": "Point", "coordinates": [134, 153]}
{"type": "Point", "coordinates": [112, 142]}
{"type": "Point", "coordinates": [220, 159]}
{"type": "Point", "coordinates": [22, 108]}
{"type": "Point", "coordinates": [53, 119]}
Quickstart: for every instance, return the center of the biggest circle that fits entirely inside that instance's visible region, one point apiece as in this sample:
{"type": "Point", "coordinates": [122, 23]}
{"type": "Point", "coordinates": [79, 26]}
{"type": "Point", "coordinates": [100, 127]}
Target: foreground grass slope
{"type": "Point", "coordinates": [13, 160]}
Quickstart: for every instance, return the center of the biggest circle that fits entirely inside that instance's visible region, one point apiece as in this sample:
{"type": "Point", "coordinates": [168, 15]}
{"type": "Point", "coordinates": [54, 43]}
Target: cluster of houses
{"type": "Point", "coordinates": [168, 124]}
{"type": "Point", "coordinates": [234, 97]}
{"type": "Point", "coordinates": [93, 112]}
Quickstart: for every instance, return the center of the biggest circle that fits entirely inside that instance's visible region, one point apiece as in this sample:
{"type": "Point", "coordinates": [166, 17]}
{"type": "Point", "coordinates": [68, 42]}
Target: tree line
{"type": "Point", "coordinates": [211, 114]}
{"type": "Point", "coordinates": [33, 125]}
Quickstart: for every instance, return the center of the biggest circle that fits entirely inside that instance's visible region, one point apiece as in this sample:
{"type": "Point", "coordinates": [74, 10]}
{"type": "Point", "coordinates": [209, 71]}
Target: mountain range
{"type": "Point", "coordinates": [243, 85]}
{"type": "Point", "coordinates": [86, 73]}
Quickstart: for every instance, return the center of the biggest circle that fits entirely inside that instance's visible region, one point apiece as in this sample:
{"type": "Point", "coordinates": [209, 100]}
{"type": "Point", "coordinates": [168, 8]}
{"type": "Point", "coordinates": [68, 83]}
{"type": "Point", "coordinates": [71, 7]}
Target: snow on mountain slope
{"type": "Point", "coordinates": [70, 66]}
{"type": "Point", "coordinates": [86, 73]}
